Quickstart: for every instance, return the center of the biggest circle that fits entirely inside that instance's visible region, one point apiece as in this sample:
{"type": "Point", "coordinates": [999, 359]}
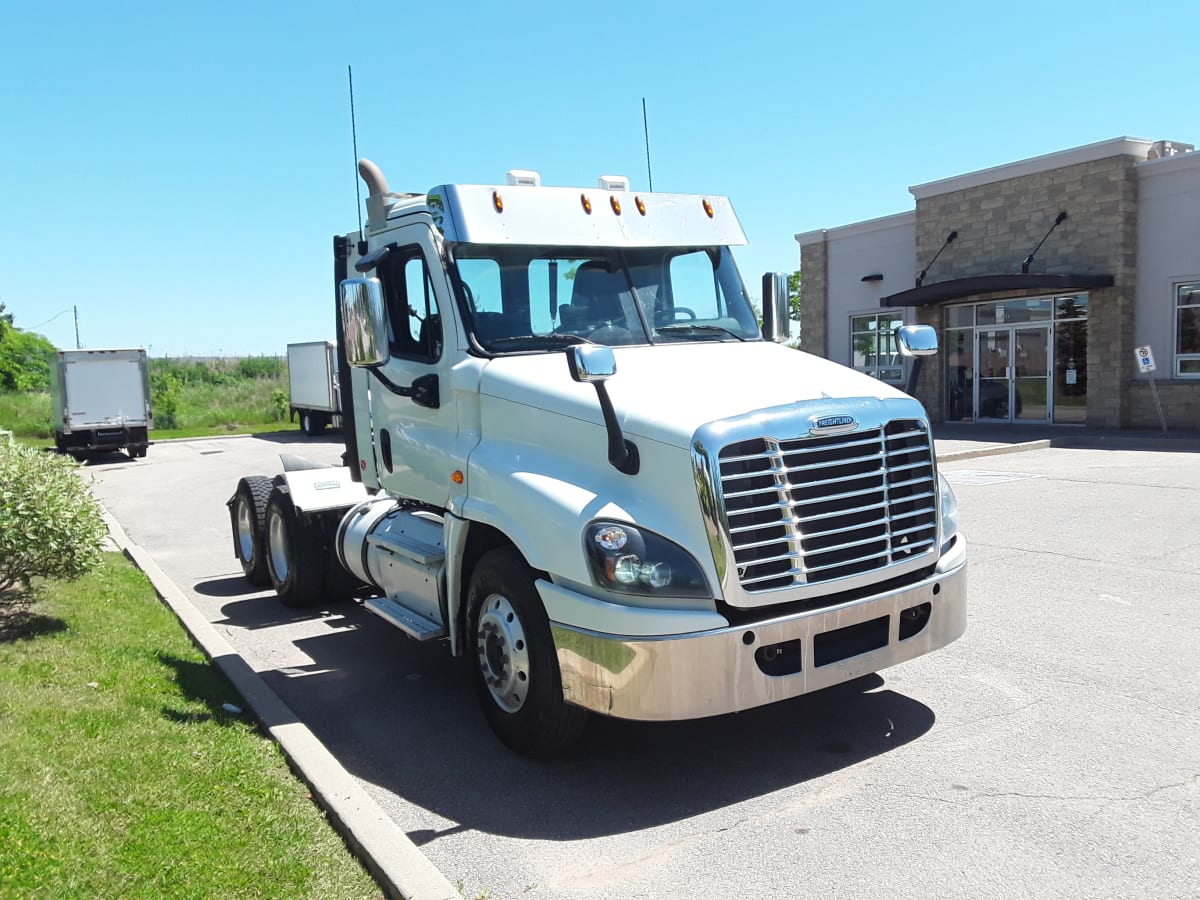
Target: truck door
{"type": "Point", "coordinates": [415, 439]}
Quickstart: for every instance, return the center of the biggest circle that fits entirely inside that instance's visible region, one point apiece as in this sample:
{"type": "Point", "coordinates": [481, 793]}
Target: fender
{"type": "Point", "coordinates": [328, 487]}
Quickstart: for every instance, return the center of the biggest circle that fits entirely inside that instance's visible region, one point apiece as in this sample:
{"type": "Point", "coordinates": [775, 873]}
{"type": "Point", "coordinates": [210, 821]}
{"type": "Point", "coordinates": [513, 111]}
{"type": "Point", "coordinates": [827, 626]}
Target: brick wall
{"type": "Point", "coordinates": [999, 224]}
{"type": "Point", "coordinates": [814, 298]}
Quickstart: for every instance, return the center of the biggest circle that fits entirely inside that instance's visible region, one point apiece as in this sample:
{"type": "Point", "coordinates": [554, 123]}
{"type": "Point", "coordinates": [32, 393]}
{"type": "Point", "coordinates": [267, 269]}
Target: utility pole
{"type": "Point", "coordinates": [77, 344]}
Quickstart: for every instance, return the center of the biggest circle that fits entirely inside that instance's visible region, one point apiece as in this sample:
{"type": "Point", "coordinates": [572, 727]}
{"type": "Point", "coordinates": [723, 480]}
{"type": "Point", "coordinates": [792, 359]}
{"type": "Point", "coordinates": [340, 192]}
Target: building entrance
{"type": "Point", "coordinates": [1012, 376]}
{"type": "Point", "coordinates": [1022, 360]}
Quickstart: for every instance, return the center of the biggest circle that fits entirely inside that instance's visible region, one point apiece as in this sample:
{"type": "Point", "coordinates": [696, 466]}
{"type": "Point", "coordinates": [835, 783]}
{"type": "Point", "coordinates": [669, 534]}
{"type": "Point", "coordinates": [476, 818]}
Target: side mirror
{"type": "Point", "coordinates": [594, 364]}
{"type": "Point", "coordinates": [364, 322]}
{"type": "Point", "coordinates": [916, 340]}
{"type": "Point", "coordinates": [591, 362]}
{"type": "Point", "coordinates": [777, 320]}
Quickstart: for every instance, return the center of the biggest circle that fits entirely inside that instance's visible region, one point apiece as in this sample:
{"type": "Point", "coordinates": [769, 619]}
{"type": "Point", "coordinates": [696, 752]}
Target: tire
{"type": "Point", "coordinates": [513, 658]}
{"type": "Point", "coordinates": [249, 517]}
{"type": "Point", "coordinates": [312, 423]}
{"type": "Point", "coordinates": [295, 559]}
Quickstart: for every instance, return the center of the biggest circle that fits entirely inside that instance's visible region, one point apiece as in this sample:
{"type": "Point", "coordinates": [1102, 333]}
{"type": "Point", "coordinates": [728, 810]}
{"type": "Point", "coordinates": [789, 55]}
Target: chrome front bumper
{"type": "Point", "coordinates": [707, 673]}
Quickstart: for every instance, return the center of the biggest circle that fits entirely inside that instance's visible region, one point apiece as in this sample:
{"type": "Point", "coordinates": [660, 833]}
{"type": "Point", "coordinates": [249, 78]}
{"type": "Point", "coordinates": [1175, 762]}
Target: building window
{"type": "Point", "coordinates": [1187, 330]}
{"type": "Point", "coordinates": [873, 346]}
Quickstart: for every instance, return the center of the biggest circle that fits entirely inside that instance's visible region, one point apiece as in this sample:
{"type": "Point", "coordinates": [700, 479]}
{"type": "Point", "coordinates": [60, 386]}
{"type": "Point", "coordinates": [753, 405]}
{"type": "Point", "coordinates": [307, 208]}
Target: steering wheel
{"type": "Point", "coordinates": [666, 316]}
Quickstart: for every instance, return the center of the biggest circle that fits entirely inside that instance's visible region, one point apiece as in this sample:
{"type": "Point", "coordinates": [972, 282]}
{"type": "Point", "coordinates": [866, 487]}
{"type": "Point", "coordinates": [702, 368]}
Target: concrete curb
{"type": "Point", "coordinates": [386, 851]}
{"type": "Point", "coordinates": [993, 450]}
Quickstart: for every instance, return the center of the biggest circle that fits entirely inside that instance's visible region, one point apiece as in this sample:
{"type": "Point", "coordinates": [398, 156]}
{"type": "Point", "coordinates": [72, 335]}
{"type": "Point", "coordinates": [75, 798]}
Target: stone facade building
{"type": "Point", "coordinates": [1043, 278]}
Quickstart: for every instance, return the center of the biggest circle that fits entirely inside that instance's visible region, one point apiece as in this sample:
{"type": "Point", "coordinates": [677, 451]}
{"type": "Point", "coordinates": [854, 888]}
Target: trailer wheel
{"type": "Point", "coordinates": [249, 516]}
{"type": "Point", "coordinates": [295, 559]}
{"type": "Point", "coordinates": [512, 654]}
{"type": "Point", "coordinates": [312, 423]}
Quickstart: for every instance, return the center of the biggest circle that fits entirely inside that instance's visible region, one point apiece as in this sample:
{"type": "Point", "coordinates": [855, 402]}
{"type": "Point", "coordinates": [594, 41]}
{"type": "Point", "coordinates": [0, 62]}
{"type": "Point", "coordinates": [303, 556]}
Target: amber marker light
{"type": "Point", "coordinates": [640, 204]}
{"type": "Point", "coordinates": [587, 204]}
{"type": "Point", "coordinates": [497, 201]}
{"type": "Point", "coordinates": [457, 476]}
{"type": "Point", "coordinates": [615, 204]}
{"type": "Point", "coordinates": [708, 208]}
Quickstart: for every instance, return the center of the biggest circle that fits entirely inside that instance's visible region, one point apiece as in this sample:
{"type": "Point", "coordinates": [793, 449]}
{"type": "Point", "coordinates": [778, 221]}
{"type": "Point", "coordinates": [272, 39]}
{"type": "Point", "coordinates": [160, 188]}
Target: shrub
{"type": "Point", "coordinates": [50, 526]}
{"type": "Point", "coordinates": [281, 404]}
{"type": "Point", "coordinates": [259, 367]}
{"type": "Point", "coordinates": [164, 399]}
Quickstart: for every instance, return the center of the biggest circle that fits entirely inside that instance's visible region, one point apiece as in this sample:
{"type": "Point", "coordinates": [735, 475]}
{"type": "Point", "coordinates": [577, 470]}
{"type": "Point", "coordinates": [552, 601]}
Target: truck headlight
{"type": "Point", "coordinates": [949, 508]}
{"type": "Point", "coordinates": [629, 560]}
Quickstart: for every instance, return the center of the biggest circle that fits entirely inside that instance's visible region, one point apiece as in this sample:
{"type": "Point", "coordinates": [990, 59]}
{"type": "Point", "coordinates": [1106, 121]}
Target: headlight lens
{"type": "Point", "coordinates": [629, 560]}
{"type": "Point", "coordinates": [949, 508]}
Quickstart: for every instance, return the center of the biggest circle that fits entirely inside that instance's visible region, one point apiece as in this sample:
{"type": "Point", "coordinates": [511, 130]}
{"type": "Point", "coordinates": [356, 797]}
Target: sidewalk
{"type": "Point", "coordinates": [957, 440]}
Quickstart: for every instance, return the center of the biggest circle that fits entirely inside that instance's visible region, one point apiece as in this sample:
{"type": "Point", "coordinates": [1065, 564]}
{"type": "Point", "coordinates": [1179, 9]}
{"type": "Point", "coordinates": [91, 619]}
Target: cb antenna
{"type": "Point", "coordinates": [646, 132]}
{"type": "Point", "coordinates": [354, 138]}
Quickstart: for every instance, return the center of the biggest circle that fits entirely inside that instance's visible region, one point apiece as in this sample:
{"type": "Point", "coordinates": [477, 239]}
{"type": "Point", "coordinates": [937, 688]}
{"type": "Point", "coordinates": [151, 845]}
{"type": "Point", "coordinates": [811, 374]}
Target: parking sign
{"type": "Point", "coordinates": [1145, 359]}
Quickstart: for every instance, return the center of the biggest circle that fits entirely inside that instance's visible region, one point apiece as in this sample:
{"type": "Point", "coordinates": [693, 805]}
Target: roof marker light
{"type": "Point", "coordinates": [708, 208]}
{"type": "Point", "coordinates": [615, 204]}
{"type": "Point", "coordinates": [497, 201]}
{"type": "Point", "coordinates": [641, 206]}
{"type": "Point", "coordinates": [587, 204]}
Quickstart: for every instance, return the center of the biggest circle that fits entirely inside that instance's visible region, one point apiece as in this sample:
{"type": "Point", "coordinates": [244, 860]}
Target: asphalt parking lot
{"type": "Point", "coordinates": [1050, 751]}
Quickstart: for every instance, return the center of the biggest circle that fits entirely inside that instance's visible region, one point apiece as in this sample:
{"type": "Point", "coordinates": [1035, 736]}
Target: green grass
{"type": "Point", "coordinates": [122, 775]}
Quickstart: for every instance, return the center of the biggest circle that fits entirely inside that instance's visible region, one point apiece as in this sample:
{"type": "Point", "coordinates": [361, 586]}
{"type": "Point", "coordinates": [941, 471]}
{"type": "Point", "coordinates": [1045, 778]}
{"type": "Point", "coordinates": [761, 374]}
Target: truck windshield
{"type": "Point", "coordinates": [524, 299]}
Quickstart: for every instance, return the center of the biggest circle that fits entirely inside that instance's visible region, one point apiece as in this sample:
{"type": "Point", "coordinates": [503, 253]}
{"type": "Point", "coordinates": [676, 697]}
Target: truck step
{"type": "Point", "coordinates": [411, 623]}
{"type": "Point", "coordinates": [408, 546]}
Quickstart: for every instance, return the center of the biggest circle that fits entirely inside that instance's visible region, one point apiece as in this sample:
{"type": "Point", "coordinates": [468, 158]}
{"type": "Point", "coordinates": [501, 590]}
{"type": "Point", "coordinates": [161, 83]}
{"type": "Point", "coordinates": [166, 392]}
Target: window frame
{"type": "Point", "coordinates": [1177, 308]}
{"type": "Point", "coordinates": [874, 370]}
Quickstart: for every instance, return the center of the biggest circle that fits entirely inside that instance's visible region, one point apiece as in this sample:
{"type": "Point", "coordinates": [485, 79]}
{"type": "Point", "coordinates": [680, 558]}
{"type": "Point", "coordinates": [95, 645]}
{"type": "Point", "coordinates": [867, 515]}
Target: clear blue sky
{"type": "Point", "coordinates": [176, 171]}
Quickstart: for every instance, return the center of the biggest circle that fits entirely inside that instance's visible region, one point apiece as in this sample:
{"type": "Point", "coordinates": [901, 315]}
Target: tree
{"type": "Point", "coordinates": [24, 360]}
{"type": "Point", "coordinates": [794, 295]}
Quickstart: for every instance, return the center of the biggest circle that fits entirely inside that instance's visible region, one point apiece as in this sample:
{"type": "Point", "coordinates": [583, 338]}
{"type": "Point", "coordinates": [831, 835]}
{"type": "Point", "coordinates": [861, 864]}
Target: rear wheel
{"type": "Point", "coordinates": [513, 656]}
{"type": "Point", "coordinates": [295, 558]}
{"type": "Point", "coordinates": [250, 514]}
{"type": "Point", "coordinates": [312, 423]}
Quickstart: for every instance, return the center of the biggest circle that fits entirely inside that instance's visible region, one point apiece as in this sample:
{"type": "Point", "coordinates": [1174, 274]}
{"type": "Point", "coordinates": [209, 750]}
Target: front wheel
{"type": "Point", "coordinates": [295, 559]}
{"type": "Point", "coordinates": [513, 656]}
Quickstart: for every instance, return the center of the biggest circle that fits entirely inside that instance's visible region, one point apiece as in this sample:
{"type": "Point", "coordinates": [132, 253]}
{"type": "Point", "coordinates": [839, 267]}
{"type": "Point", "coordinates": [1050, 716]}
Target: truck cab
{"type": "Point", "coordinates": [574, 456]}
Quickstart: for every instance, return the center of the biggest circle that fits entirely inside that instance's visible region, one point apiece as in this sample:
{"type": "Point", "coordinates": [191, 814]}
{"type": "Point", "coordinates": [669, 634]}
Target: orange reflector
{"type": "Point", "coordinates": [587, 204]}
{"type": "Point", "coordinates": [456, 476]}
{"type": "Point", "coordinates": [640, 205]}
{"type": "Point", "coordinates": [497, 201]}
{"type": "Point", "coordinates": [708, 208]}
{"type": "Point", "coordinates": [615, 204]}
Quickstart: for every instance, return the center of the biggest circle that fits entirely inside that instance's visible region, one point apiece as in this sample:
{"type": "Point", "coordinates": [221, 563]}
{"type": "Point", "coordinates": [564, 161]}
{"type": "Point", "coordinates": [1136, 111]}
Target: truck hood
{"type": "Point", "coordinates": [665, 393]}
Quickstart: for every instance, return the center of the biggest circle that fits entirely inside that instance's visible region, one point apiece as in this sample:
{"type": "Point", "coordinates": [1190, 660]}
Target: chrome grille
{"type": "Point", "coordinates": [820, 509]}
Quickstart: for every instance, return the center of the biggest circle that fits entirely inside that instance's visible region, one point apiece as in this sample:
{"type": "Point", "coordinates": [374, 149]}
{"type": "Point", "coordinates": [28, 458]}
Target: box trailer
{"type": "Point", "coordinates": [100, 401]}
{"type": "Point", "coordinates": [313, 385]}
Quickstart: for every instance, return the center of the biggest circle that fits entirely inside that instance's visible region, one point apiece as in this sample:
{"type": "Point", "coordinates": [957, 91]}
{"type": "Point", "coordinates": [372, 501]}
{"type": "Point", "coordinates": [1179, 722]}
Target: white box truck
{"type": "Point", "coordinates": [313, 385]}
{"type": "Point", "coordinates": [100, 401]}
{"type": "Point", "coordinates": [574, 457]}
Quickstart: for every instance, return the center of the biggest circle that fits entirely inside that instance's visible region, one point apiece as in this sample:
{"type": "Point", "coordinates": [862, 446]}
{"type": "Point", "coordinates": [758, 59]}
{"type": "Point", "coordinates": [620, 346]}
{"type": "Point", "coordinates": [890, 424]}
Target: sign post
{"type": "Point", "coordinates": [1145, 360]}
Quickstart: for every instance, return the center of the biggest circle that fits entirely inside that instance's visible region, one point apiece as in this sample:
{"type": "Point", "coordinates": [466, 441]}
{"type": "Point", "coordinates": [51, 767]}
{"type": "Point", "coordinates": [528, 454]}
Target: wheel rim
{"type": "Point", "coordinates": [306, 424]}
{"type": "Point", "coordinates": [245, 530]}
{"type": "Point", "coordinates": [277, 544]}
{"type": "Point", "coordinates": [503, 653]}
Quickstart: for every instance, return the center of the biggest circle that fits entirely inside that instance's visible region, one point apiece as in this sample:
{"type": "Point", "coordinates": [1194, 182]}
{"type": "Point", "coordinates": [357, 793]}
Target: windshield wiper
{"type": "Point", "coordinates": [688, 328]}
{"type": "Point", "coordinates": [540, 340]}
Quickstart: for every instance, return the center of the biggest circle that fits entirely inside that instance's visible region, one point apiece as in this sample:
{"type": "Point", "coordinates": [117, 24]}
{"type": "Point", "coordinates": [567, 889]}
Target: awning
{"type": "Point", "coordinates": [960, 288]}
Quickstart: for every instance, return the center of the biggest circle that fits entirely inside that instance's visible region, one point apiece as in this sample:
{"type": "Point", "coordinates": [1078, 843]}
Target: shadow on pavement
{"type": "Point", "coordinates": [403, 716]}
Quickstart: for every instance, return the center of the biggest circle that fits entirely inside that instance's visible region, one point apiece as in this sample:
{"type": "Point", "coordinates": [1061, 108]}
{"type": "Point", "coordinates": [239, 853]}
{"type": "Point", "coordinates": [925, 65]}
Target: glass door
{"type": "Point", "coordinates": [993, 369]}
{"type": "Point", "coordinates": [1012, 374]}
{"type": "Point", "coordinates": [1031, 374]}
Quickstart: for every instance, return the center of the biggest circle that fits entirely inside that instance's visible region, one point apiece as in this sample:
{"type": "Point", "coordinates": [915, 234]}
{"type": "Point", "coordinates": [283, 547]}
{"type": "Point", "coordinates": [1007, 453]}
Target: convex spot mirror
{"type": "Point", "coordinates": [916, 340]}
{"type": "Point", "coordinates": [364, 322]}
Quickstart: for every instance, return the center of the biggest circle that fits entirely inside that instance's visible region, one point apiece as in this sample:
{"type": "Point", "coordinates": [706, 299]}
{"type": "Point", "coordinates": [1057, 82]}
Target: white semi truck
{"type": "Point", "coordinates": [313, 390]}
{"type": "Point", "coordinates": [573, 455]}
{"type": "Point", "coordinates": [100, 401]}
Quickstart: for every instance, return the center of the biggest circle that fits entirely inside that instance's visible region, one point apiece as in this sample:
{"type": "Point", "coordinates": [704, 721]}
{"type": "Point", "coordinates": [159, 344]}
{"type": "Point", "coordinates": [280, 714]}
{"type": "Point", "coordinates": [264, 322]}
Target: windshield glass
{"type": "Point", "coordinates": [524, 299]}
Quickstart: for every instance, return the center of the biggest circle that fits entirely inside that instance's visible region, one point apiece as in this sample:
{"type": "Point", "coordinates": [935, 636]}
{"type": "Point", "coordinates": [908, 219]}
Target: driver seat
{"type": "Point", "coordinates": [596, 297]}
